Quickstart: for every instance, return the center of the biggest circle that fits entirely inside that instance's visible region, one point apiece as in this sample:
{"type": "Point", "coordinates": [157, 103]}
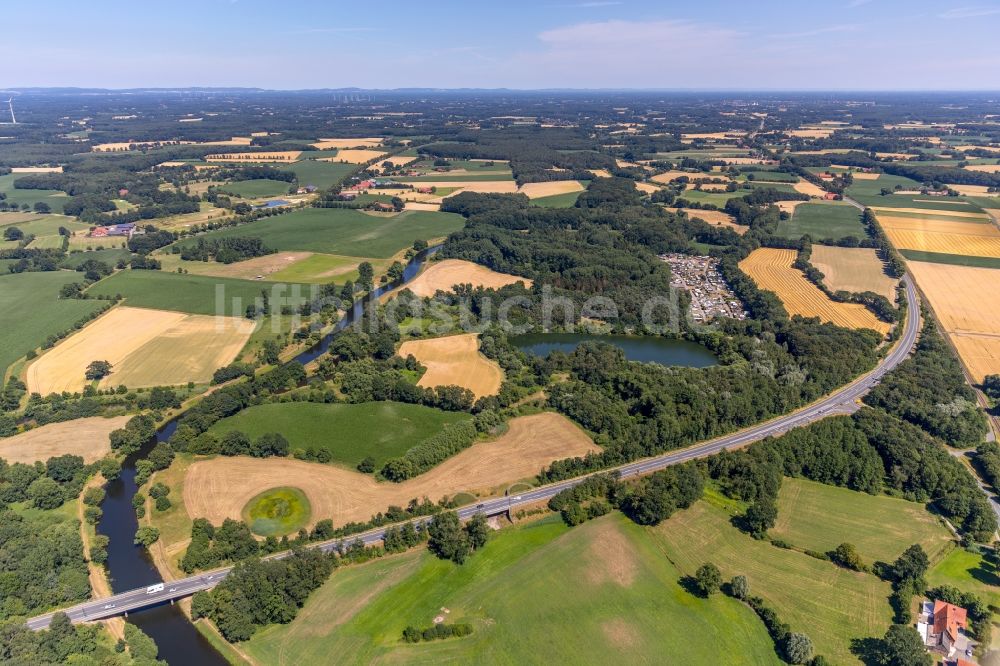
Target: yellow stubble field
{"type": "Point", "coordinates": [772, 270]}
{"type": "Point", "coordinates": [445, 274]}
{"type": "Point", "coordinates": [145, 347]}
{"type": "Point", "coordinates": [854, 269]}
{"type": "Point", "coordinates": [966, 301]}
{"type": "Point", "coordinates": [455, 360]}
{"type": "Point", "coordinates": [975, 239]}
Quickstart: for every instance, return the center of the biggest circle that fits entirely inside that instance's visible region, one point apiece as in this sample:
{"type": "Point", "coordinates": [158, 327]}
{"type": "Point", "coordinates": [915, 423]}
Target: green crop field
{"type": "Point", "coordinates": [260, 187]}
{"type": "Point", "coordinates": [953, 259]}
{"type": "Point", "coordinates": [970, 572]}
{"type": "Point", "coordinates": [277, 512]}
{"type": "Point", "coordinates": [194, 294]}
{"type": "Point", "coordinates": [48, 225]}
{"type": "Point", "coordinates": [537, 593]}
{"type": "Point", "coordinates": [819, 517]}
{"type": "Point", "coordinates": [557, 200]}
{"type": "Point", "coordinates": [32, 311]}
{"type": "Point", "coordinates": [823, 220]}
{"type": "Point", "coordinates": [320, 174]}
{"type": "Point", "coordinates": [326, 268]}
{"type": "Point", "coordinates": [54, 198]}
{"type": "Point", "coordinates": [110, 257]}
{"type": "Point", "coordinates": [832, 605]}
{"type": "Point", "coordinates": [345, 231]}
{"type": "Point", "coordinates": [381, 430]}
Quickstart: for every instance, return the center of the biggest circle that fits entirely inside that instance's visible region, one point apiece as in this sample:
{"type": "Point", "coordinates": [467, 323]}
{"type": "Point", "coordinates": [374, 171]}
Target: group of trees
{"type": "Point", "coordinates": [224, 250]}
{"type": "Point", "coordinates": [67, 643]}
{"type": "Point", "coordinates": [450, 540]}
{"type": "Point", "coordinates": [257, 593]}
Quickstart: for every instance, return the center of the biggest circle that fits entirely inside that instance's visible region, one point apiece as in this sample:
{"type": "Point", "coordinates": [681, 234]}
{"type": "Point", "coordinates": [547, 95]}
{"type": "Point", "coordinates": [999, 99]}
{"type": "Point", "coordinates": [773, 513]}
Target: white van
{"type": "Point", "coordinates": [153, 589]}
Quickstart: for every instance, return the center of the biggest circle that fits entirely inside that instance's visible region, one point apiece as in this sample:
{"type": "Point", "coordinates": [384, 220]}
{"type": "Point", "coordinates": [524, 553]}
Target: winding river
{"type": "Point", "coordinates": [130, 567]}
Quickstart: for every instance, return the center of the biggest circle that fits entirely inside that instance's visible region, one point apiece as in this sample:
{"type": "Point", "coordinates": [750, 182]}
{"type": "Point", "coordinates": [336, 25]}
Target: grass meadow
{"type": "Point", "coordinates": [277, 512]}
{"type": "Point", "coordinates": [54, 198]}
{"type": "Point", "coordinates": [32, 311]}
{"type": "Point", "coordinates": [346, 232]}
{"type": "Point", "coordinates": [194, 294]}
{"type": "Point", "coordinates": [350, 433]}
{"type": "Point", "coordinates": [539, 592]}
{"type": "Point", "coordinates": [252, 189]}
{"type": "Point", "coordinates": [320, 174]}
{"type": "Point", "coordinates": [823, 220]}
{"type": "Point", "coordinates": [557, 200]}
{"type": "Point", "coordinates": [819, 517]}
{"type": "Point", "coordinates": [953, 259]}
{"type": "Point", "coordinates": [970, 572]}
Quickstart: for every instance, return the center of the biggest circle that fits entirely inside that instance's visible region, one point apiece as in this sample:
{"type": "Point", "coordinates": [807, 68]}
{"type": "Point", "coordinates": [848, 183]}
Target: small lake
{"type": "Point", "coordinates": [645, 349]}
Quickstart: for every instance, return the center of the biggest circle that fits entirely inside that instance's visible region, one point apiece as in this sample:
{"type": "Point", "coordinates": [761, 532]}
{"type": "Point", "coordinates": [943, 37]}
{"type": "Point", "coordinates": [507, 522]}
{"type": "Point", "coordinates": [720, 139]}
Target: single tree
{"type": "Point", "coordinates": [708, 578]}
{"type": "Point", "coordinates": [97, 370]}
{"type": "Point", "coordinates": [798, 648]}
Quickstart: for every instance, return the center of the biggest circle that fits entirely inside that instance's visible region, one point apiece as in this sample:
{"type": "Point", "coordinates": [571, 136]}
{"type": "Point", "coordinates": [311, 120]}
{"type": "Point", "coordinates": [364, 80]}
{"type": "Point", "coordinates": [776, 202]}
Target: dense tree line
{"type": "Point", "coordinates": [258, 593]}
{"type": "Point", "coordinates": [225, 250]}
{"type": "Point", "coordinates": [929, 390]}
{"type": "Point", "coordinates": [66, 643]}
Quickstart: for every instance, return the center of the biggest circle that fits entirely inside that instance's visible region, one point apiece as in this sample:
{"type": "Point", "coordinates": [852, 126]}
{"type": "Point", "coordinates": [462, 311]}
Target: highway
{"type": "Point", "coordinates": [841, 401]}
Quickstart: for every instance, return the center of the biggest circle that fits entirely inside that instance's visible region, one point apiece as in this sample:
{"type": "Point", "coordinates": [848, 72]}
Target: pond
{"type": "Point", "coordinates": [646, 349]}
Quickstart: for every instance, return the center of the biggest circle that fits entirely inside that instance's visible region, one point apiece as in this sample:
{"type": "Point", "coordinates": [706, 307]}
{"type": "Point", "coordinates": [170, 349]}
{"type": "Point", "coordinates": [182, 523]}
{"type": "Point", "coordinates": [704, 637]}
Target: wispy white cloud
{"type": "Point", "coordinates": [969, 12]}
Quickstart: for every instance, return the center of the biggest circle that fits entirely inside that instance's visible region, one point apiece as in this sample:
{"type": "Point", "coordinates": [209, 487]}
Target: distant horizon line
{"type": "Point", "coordinates": [438, 89]}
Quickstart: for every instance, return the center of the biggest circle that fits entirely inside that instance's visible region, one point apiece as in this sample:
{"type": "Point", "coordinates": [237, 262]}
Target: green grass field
{"type": "Point", "coordinates": [953, 259]}
{"type": "Point", "coordinates": [326, 268]}
{"type": "Point", "coordinates": [436, 177]}
{"type": "Point", "coordinates": [772, 176]}
{"type": "Point", "coordinates": [277, 512]}
{"type": "Point", "coordinates": [830, 604]}
{"type": "Point", "coordinates": [194, 294]}
{"type": "Point", "coordinates": [54, 198]}
{"type": "Point", "coordinates": [382, 430]}
{"type": "Point", "coordinates": [346, 232]}
{"type": "Point", "coordinates": [32, 311]}
{"type": "Point", "coordinates": [557, 200]}
{"type": "Point", "coordinates": [819, 517]}
{"type": "Point", "coordinates": [48, 225]}
{"type": "Point", "coordinates": [969, 572]}
{"type": "Point", "coordinates": [110, 257]}
{"type": "Point", "coordinates": [320, 174]}
{"type": "Point", "coordinates": [823, 220]}
{"type": "Point", "coordinates": [537, 593]}
{"type": "Point", "coordinates": [252, 189]}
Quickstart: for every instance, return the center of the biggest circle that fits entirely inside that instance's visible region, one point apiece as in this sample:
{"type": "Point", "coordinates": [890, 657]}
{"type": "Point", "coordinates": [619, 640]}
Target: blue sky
{"type": "Point", "coordinates": [703, 44]}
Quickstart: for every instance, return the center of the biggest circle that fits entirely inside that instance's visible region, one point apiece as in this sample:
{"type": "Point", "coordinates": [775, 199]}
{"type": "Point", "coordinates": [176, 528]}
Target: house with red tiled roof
{"type": "Point", "coordinates": [943, 627]}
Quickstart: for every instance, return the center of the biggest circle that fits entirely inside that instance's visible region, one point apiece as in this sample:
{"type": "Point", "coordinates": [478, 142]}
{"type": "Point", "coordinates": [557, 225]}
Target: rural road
{"type": "Point", "coordinates": [841, 401]}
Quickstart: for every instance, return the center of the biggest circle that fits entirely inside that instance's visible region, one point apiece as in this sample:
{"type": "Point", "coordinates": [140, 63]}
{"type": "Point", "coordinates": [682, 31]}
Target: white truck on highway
{"type": "Point", "coordinates": [153, 589]}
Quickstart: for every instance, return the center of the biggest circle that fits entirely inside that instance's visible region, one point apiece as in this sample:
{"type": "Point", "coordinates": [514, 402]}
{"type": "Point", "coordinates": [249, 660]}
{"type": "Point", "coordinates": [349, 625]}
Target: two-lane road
{"type": "Point", "coordinates": [842, 400]}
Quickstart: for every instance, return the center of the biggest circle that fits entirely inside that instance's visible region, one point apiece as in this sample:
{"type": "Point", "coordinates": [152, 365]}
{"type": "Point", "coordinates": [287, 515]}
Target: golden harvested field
{"type": "Point", "coordinates": [600, 173]}
{"type": "Point", "coordinates": [967, 304]}
{"type": "Point", "coordinates": [455, 359]}
{"type": "Point", "coordinates": [482, 186]}
{"type": "Point", "coordinates": [715, 135]}
{"type": "Point", "coordinates": [988, 168]}
{"type": "Point", "coordinates": [963, 238]}
{"type": "Point", "coordinates": [327, 144]}
{"type": "Point", "coordinates": [87, 438]}
{"type": "Point", "coordinates": [772, 270]}
{"type": "Point", "coordinates": [647, 188]}
{"type": "Point", "coordinates": [816, 133]}
{"type": "Point", "coordinates": [670, 176]}
{"type": "Point", "coordinates": [979, 353]}
{"type": "Point", "coordinates": [894, 156]}
{"type": "Point", "coordinates": [789, 206]}
{"type": "Point", "coordinates": [864, 175]}
{"type": "Point", "coordinates": [706, 187]}
{"type": "Point", "coordinates": [145, 348]}
{"type": "Point", "coordinates": [272, 156]}
{"type": "Point", "coordinates": [219, 488]}
{"type": "Point", "coordinates": [349, 156]}
{"type": "Point", "coordinates": [445, 274]}
{"type": "Point", "coordinates": [416, 205]}
{"type": "Point", "coordinates": [717, 218]}
{"type": "Point", "coordinates": [805, 187]}
{"type": "Point", "coordinates": [551, 188]}
{"type": "Point", "coordinates": [972, 190]}
{"type": "Point", "coordinates": [927, 211]}
{"type": "Point", "coordinates": [399, 160]}
{"type": "Point", "coordinates": [248, 269]}
{"type": "Point", "coordinates": [854, 269]}
{"type": "Point", "coordinates": [55, 169]}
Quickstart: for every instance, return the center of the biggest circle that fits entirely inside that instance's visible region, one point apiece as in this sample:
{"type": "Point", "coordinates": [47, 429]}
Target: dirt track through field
{"type": "Point", "coordinates": [219, 488]}
{"type": "Point", "coordinates": [455, 359]}
{"type": "Point", "coordinates": [86, 437]}
{"type": "Point", "coordinates": [772, 270]}
{"type": "Point", "coordinates": [445, 274]}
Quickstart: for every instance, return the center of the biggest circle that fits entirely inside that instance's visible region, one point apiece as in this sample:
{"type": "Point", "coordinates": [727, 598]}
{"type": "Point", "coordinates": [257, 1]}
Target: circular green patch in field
{"type": "Point", "coordinates": [277, 512]}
